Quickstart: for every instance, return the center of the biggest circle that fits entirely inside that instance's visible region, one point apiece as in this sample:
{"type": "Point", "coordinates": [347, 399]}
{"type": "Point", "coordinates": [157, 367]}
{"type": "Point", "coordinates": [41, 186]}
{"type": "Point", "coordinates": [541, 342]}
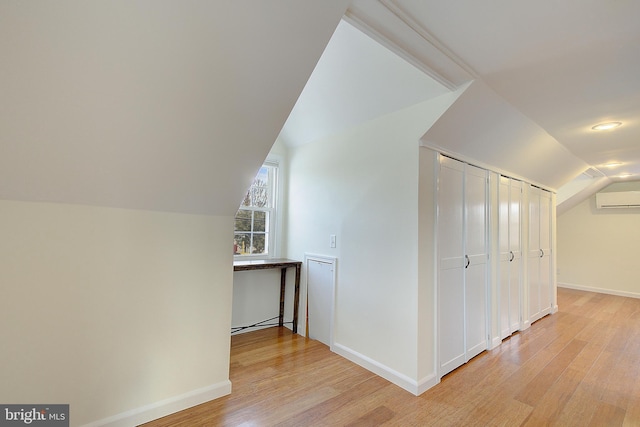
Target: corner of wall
{"type": "Point", "coordinates": [165, 407]}
{"type": "Point", "coordinates": [381, 370]}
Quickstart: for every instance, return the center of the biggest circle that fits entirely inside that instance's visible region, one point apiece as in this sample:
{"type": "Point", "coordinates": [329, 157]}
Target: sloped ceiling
{"type": "Point", "coordinates": [355, 80]}
{"type": "Point", "coordinates": [565, 66]}
{"type": "Point", "coordinates": [482, 127]}
{"type": "Point", "coordinates": [172, 106]}
{"type": "Point", "coordinates": [159, 105]}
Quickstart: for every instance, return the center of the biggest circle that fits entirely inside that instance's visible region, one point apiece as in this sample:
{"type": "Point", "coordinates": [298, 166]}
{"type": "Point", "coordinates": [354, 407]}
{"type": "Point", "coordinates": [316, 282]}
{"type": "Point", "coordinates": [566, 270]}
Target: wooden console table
{"type": "Point", "coordinates": [282, 264]}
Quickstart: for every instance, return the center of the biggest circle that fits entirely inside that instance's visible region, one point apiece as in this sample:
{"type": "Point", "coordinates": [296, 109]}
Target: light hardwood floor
{"type": "Point", "coordinates": [578, 367]}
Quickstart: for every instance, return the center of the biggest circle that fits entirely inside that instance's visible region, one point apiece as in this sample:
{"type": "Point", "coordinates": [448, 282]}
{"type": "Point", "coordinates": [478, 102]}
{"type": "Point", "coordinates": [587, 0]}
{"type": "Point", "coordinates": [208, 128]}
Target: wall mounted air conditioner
{"type": "Point", "coordinates": [622, 199]}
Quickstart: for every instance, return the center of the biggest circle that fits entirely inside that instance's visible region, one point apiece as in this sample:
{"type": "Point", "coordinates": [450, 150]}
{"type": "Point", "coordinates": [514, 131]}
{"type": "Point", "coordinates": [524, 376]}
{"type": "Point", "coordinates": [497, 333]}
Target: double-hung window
{"type": "Point", "coordinates": [256, 218]}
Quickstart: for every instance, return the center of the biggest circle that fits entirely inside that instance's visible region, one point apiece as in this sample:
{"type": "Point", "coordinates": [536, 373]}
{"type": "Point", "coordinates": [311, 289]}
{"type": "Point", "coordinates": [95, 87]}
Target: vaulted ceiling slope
{"type": "Point", "coordinates": [565, 66]}
{"type": "Point", "coordinates": [355, 80]}
{"type": "Point", "coordinates": [158, 105]}
{"type": "Point", "coordinates": [481, 127]}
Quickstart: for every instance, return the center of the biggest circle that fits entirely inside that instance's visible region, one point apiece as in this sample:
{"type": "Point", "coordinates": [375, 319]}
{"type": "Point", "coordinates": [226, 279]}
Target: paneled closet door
{"type": "Point", "coordinates": [509, 254]}
{"type": "Point", "coordinates": [515, 246]}
{"type": "Point", "coordinates": [534, 254]}
{"type": "Point", "coordinates": [504, 256]}
{"type": "Point", "coordinates": [476, 258]}
{"type": "Point", "coordinates": [539, 253]}
{"type": "Point", "coordinates": [463, 259]}
{"type": "Point", "coordinates": [545, 255]}
{"type": "Point", "coordinates": [451, 310]}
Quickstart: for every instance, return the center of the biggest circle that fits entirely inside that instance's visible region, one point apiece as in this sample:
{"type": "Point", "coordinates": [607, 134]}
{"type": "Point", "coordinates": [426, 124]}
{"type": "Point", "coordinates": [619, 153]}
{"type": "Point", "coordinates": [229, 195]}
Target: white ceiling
{"type": "Point", "coordinates": [356, 80]}
{"type": "Point", "coordinates": [150, 104]}
{"type": "Point", "coordinates": [173, 106]}
{"type": "Point", "coordinates": [567, 65]}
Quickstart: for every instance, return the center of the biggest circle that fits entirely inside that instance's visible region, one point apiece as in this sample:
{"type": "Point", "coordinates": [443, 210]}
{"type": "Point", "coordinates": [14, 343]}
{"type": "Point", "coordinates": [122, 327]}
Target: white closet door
{"type": "Point", "coordinates": [475, 260]}
{"type": "Point", "coordinates": [515, 202]}
{"type": "Point", "coordinates": [451, 265]}
{"type": "Point", "coordinates": [545, 256]}
{"type": "Point", "coordinates": [534, 254]}
{"type": "Point", "coordinates": [504, 256]}
{"type": "Point", "coordinates": [463, 260]}
{"type": "Point", "coordinates": [509, 255]}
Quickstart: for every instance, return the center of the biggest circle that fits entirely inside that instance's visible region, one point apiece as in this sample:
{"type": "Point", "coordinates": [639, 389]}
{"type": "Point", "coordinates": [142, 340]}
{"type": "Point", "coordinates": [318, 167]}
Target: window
{"type": "Point", "coordinates": [256, 217]}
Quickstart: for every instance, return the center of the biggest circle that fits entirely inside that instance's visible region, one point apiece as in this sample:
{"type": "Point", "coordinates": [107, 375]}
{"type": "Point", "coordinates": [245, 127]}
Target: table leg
{"type": "Point", "coordinates": [296, 298]}
{"type": "Point", "coordinates": [283, 278]}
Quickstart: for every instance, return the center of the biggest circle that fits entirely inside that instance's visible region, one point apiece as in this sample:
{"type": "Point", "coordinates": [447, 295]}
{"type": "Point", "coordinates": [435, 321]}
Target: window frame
{"type": "Point", "coordinates": [274, 190]}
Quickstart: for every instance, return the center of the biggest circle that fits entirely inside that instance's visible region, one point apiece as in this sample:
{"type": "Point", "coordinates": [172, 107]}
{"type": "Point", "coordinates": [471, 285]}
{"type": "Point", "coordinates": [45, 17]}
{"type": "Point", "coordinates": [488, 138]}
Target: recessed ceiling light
{"type": "Point", "coordinates": [625, 175]}
{"type": "Point", "coordinates": [607, 126]}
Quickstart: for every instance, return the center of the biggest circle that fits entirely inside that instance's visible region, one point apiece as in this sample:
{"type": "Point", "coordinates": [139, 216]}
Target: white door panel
{"type": "Point", "coordinates": [545, 259]}
{"type": "Point", "coordinates": [476, 309]}
{"type": "Point", "coordinates": [539, 253]}
{"type": "Point", "coordinates": [514, 295]}
{"type": "Point", "coordinates": [462, 253]}
{"type": "Point", "coordinates": [503, 273]}
{"type": "Point", "coordinates": [545, 285]}
{"type": "Point", "coordinates": [320, 300]}
{"type": "Point", "coordinates": [510, 255]}
{"type": "Point", "coordinates": [451, 319]}
{"type": "Point", "coordinates": [534, 254]}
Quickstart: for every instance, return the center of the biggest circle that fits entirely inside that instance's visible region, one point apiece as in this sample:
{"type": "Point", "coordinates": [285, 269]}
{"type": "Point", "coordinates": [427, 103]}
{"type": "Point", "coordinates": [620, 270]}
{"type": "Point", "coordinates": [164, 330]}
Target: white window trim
{"type": "Point", "coordinates": [275, 227]}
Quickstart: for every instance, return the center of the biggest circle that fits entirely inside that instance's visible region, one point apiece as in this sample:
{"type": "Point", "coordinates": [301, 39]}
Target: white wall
{"type": "Point", "coordinates": [143, 105]}
{"type": "Point", "coordinates": [111, 310]}
{"type": "Point", "coordinates": [256, 294]}
{"type": "Point", "coordinates": [256, 298]}
{"type": "Point", "coordinates": [598, 249]}
{"type": "Point", "coordinates": [427, 299]}
{"type": "Point", "coordinates": [362, 186]}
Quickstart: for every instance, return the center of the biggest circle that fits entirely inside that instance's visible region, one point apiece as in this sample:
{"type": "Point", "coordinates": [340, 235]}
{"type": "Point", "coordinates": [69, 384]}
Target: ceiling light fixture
{"type": "Point", "coordinates": [625, 175]}
{"type": "Point", "coordinates": [607, 126]}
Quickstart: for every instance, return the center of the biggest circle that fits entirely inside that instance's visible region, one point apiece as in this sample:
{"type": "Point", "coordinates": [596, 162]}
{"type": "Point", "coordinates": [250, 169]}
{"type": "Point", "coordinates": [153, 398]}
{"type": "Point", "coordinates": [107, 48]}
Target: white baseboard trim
{"type": "Point", "coordinates": [495, 342]}
{"type": "Point", "coordinates": [165, 407]}
{"type": "Point", "coordinates": [401, 380]}
{"type": "Point", "coordinates": [426, 383]}
{"type": "Point", "coordinates": [599, 290]}
{"type": "Point", "coordinates": [259, 327]}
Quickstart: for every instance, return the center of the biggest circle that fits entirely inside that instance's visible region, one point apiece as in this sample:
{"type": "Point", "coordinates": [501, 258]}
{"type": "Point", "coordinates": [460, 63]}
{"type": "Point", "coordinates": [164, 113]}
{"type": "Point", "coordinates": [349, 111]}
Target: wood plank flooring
{"type": "Point", "coordinates": [578, 367]}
